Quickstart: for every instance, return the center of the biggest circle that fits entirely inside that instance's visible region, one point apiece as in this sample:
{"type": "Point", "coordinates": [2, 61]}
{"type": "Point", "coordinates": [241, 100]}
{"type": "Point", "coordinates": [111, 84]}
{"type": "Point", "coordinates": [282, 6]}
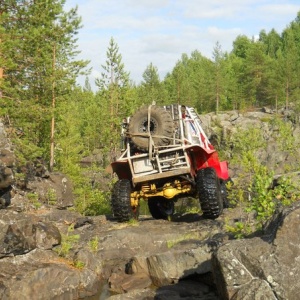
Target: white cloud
{"type": "Point", "coordinates": [159, 31]}
{"type": "Point", "coordinates": [280, 9]}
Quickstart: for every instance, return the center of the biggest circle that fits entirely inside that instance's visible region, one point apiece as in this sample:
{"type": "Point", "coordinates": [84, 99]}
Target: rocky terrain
{"type": "Point", "coordinates": [49, 251]}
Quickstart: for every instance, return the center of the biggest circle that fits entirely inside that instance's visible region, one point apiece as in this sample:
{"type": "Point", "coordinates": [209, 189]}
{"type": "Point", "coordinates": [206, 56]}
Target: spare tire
{"type": "Point", "coordinates": [161, 127]}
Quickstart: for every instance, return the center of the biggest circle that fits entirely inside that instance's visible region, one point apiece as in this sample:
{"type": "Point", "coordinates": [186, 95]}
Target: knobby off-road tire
{"type": "Point", "coordinates": [120, 202]}
{"type": "Point", "coordinates": [209, 190]}
{"type": "Point", "coordinates": [161, 124]}
{"type": "Point", "coordinates": [160, 207]}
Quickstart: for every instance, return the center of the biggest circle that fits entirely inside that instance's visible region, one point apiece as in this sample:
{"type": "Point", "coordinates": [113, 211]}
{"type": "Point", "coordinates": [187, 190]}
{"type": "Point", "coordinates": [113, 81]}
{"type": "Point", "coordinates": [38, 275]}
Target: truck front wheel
{"type": "Point", "coordinates": [120, 202]}
{"type": "Point", "coordinates": [209, 191]}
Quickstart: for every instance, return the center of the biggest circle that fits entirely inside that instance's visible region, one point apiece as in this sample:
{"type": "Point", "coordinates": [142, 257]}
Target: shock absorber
{"type": "Point", "coordinates": [145, 188]}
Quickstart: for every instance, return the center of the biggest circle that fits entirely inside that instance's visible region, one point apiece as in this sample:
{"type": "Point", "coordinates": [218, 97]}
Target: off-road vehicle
{"type": "Point", "coordinates": [166, 155]}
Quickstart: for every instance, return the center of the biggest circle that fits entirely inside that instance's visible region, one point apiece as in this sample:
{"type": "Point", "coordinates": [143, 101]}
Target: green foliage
{"type": "Point", "coordinates": [51, 197]}
{"type": "Point", "coordinates": [94, 244]}
{"type": "Point", "coordinates": [266, 198]}
{"type": "Point", "coordinates": [247, 142]}
{"type": "Point", "coordinates": [38, 51]}
{"type": "Point", "coordinates": [144, 209]}
{"type": "Point", "coordinates": [237, 194]}
{"type": "Point", "coordinates": [261, 194]}
{"type": "Point", "coordinates": [188, 206]}
{"type": "Point", "coordinates": [285, 191]}
{"type": "Point", "coordinates": [67, 243]}
{"type": "Point", "coordinates": [151, 88]}
{"type": "Point", "coordinates": [284, 137]}
{"type": "Point", "coordinates": [26, 150]}
{"type": "Point", "coordinates": [78, 264]}
{"type": "Point", "coordinates": [261, 199]}
{"type": "Point", "coordinates": [254, 190]}
{"type": "Point", "coordinates": [133, 222]}
{"type": "Point", "coordinates": [187, 236]}
{"type": "Point", "coordinates": [34, 200]}
{"type": "Point", "coordinates": [192, 210]}
{"type": "Point", "coordinates": [239, 230]}
{"type": "Point", "coordinates": [92, 202]}
{"type": "Point", "coordinates": [112, 98]}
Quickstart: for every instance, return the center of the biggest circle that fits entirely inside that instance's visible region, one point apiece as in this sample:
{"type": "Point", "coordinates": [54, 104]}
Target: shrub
{"type": "Point", "coordinates": [92, 202]}
{"type": "Point", "coordinates": [254, 190]}
{"type": "Point", "coordinates": [67, 243]}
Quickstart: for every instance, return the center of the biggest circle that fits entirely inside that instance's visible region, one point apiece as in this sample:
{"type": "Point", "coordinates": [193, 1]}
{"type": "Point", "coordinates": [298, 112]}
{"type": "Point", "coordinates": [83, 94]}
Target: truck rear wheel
{"type": "Point", "coordinates": [120, 202]}
{"type": "Point", "coordinates": [160, 207]}
{"type": "Point", "coordinates": [209, 191]}
{"type": "Point", "coordinates": [161, 126]}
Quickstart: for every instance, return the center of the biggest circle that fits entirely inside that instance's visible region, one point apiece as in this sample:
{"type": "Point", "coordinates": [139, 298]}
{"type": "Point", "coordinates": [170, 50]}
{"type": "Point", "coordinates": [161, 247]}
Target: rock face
{"type": "Point", "coordinates": [274, 151]}
{"type": "Point", "coordinates": [22, 233]}
{"type": "Point", "coordinates": [50, 252]}
{"type": "Point", "coordinates": [6, 168]}
{"type": "Point", "coordinates": [189, 258]}
{"type": "Point", "coordinates": [267, 267]}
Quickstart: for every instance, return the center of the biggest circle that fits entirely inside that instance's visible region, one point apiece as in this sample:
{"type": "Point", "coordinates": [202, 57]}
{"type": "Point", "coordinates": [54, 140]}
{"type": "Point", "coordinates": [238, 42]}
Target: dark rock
{"type": "Point", "coordinates": [267, 110]}
{"type": "Point", "coordinates": [21, 233]}
{"type": "Point", "coordinates": [122, 283]}
{"type": "Point", "coordinates": [168, 267]}
{"type": "Point", "coordinates": [6, 176]}
{"type": "Point", "coordinates": [54, 190]}
{"type": "Point", "coordinates": [47, 235]}
{"type": "Point", "coordinates": [5, 197]}
{"type": "Point", "coordinates": [266, 267]}
{"type": "Point", "coordinates": [186, 289]}
{"type": "Point", "coordinates": [83, 221]}
{"type": "Point", "coordinates": [41, 275]}
{"type": "Point", "coordinates": [138, 294]}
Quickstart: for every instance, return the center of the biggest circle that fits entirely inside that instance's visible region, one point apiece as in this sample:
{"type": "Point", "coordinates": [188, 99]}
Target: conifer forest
{"type": "Point", "coordinates": [54, 119]}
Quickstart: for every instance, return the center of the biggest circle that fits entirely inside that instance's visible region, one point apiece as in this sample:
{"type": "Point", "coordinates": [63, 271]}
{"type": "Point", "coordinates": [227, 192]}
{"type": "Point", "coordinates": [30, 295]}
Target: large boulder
{"type": "Point", "coordinates": [276, 154]}
{"type": "Point", "coordinates": [41, 275]}
{"type": "Point", "coordinates": [55, 189]}
{"type": "Point", "coordinates": [171, 266]}
{"type": "Point", "coordinates": [265, 267]}
{"type": "Point", "coordinates": [7, 162]}
{"type": "Point", "coordinates": [20, 233]}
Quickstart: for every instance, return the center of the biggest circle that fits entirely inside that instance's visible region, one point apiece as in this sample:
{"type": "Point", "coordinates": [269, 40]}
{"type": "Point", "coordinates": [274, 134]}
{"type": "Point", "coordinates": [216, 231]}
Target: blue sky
{"type": "Point", "coordinates": [159, 31]}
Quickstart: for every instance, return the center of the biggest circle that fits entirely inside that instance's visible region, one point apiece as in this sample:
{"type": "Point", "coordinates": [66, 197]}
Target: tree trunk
{"type": "Point", "coordinates": [53, 108]}
{"type": "Point", "coordinates": [287, 95]}
{"type": "Point", "coordinates": [1, 73]}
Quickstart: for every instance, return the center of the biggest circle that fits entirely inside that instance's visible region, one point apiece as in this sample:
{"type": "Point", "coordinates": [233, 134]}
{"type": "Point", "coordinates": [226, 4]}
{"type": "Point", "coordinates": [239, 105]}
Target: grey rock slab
{"type": "Point", "coordinates": [42, 275]}
{"type": "Point", "coordinates": [21, 233]}
{"type": "Point", "coordinates": [256, 289]}
{"type": "Point", "coordinates": [169, 267]}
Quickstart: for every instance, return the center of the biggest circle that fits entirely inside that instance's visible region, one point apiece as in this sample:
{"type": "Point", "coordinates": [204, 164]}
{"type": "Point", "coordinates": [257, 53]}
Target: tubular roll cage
{"type": "Point", "coordinates": [188, 151]}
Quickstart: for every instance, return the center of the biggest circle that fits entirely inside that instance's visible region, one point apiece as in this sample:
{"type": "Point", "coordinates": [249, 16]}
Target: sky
{"type": "Point", "coordinates": [160, 31]}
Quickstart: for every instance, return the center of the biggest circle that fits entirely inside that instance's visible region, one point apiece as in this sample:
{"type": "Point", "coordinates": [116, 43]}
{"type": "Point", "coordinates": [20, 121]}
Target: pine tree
{"type": "Point", "coordinates": [272, 41]}
{"type": "Point", "coordinates": [113, 86]}
{"type": "Point", "coordinates": [218, 58]}
{"type": "Point", "coordinates": [234, 88]}
{"type": "Point", "coordinates": [151, 87]}
{"type": "Point", "coordinates": [254, 73]}
{"type": "Point", "coordinates": [39, 45]}
{"type": "Point", "coordinates": [289, 63]}
{"type": "Point", "coordinates": [271, 88]}
{"type": "Point", "coordinates": [180, 83]}
{"type": "Point", "coordinates": [201, 76]}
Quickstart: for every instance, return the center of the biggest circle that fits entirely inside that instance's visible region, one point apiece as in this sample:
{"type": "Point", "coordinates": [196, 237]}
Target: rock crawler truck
{"type": "Point", "coordinates": [166, 155]}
